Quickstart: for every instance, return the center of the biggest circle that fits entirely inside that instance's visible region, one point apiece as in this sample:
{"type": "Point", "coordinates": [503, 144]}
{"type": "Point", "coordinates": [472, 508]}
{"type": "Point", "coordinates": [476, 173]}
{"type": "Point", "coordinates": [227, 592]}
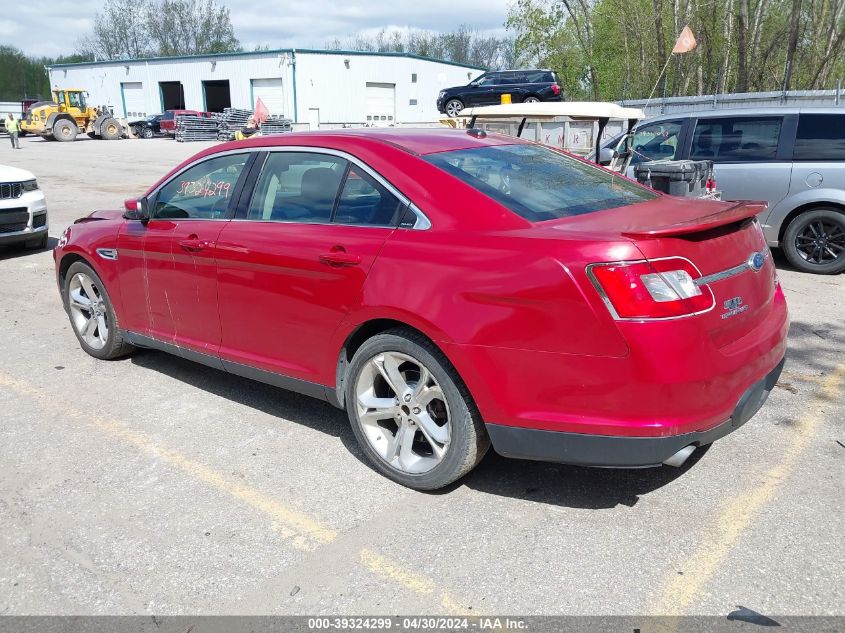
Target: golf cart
{"type": "Point", "coordinates": [578, 127]}
{"type": "Point", "coordinates": [581, 128]}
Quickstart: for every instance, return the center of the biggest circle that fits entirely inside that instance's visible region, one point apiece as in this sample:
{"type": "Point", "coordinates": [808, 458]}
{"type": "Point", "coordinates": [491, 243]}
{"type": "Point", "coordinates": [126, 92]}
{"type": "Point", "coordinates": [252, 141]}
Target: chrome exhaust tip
{"type": "Point", "coordinates": [681, 456]}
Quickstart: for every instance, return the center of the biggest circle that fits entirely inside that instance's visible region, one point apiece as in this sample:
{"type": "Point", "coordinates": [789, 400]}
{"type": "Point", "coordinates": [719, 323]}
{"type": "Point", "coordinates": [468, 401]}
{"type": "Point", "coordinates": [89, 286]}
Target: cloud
{"type": "Point", "coordinates": [279, 24]}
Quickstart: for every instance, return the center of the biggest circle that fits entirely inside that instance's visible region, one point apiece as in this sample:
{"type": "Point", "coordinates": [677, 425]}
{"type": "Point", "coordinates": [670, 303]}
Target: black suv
{"type": "Point", "coordinates": [522, 85]}
{"type": "Point", "coordinates": [147, 128]}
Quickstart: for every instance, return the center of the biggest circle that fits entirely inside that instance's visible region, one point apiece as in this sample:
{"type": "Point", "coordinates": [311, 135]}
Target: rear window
{"type": "Point", "coordinates": [539, 77]}
{"type": "Point", "coordinates": [820, 137]}
{"type": "Point", "coordinates": [538, 183]}
{"type": "Point", "coordinates": [167, 115]}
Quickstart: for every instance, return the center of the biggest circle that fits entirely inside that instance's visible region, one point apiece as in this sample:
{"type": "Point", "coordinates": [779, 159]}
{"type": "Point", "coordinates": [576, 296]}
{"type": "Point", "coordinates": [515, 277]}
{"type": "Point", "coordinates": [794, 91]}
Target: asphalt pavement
{"type": "Point", "coordinates": [151, 485]}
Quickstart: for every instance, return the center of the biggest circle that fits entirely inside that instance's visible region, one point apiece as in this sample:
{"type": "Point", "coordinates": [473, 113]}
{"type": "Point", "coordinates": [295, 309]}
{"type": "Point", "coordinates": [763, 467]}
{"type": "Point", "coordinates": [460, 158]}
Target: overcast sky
{"type": "Point", "coordinates": [279, 23]}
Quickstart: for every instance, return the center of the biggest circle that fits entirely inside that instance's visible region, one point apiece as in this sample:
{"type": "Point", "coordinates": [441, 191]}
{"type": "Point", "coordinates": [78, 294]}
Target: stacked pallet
{"type": "Point", "coordinates": [190, 127]}
{"type": "Point", "coordinates": [222, 127]}
{"type": "Point", "coordinates": [275, 125]}
{"type": "Point", "coordinates": [232, 120]}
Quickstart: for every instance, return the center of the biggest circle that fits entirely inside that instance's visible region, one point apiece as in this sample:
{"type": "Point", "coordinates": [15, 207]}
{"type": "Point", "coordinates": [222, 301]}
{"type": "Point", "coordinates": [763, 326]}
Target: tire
{"type": "Point", "coordinates": [147, 132]}
{"type": "Point", "coordinates": [448, 418]}
{"type": "Point", "coordinates": [110, 129]}
{"type": "Point", "coordinates": [531, 100]}
{"type": "Point", "coordinates": [453, 107]}
{"type": "Point", "coordinates": [64, 130]}
{"type": "Point", "coordinates": [814, 242]}
{"type": "Point", "coordinates": [79, 281]}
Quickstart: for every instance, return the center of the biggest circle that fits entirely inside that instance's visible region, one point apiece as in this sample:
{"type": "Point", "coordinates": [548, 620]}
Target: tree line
{"type": "Point", "coordinates": [615, 49]}
{"type": "Point", "coordinates": [601, 49]}
{"type": "Point", "coordinates": [464, 45]}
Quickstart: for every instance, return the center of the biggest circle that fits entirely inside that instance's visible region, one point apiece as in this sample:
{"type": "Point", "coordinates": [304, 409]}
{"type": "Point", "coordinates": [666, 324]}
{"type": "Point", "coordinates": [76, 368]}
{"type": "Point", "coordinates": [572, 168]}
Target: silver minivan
{"type": "Point", "coordinates": [791, 157]}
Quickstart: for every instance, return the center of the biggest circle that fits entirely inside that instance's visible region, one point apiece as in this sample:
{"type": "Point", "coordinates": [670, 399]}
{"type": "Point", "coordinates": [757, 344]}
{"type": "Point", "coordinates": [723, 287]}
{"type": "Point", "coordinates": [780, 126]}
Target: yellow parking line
{"type": "Point", "coordinates": [381, 566]}
{"type": "Point", "coordinates": [304, 532]}
{"type": "Point", "coordinates": [738, 512]}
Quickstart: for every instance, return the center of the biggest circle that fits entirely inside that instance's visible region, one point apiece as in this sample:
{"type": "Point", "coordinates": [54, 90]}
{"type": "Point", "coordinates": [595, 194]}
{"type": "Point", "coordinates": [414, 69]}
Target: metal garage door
{"type": "Point", "coordinates": [270, 91]}
{"type": "Point", "coordinates": [381, 104]}
{"type": "Point", "coordinates": [133, 100]}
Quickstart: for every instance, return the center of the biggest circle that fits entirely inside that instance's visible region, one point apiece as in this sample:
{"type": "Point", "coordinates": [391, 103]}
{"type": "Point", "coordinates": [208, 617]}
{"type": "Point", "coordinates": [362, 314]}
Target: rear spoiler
{"type": "Point", "coordinates": [736, 213]}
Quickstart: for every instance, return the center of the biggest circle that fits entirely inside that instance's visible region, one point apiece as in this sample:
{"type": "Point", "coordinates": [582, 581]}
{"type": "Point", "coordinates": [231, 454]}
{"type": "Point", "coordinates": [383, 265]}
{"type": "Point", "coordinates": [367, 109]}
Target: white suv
{"type": "Point", "coordinates": [23, 209]}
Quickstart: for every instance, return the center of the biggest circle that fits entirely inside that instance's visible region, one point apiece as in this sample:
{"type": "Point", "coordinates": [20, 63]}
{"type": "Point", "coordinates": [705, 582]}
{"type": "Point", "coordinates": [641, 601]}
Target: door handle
{"type": "Point", "coordinates": [193, 244]}
{"type": "Point", "coordinates": [338, 257]}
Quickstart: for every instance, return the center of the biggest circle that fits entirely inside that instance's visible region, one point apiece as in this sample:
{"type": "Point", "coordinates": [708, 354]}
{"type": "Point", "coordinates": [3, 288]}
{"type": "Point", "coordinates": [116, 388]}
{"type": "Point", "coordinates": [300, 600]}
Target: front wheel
{"type": "Point", "coordinates": [411, 413]}
{"type": "Point", "coordinates": [91, 313]}
{"type": "Point", "coordinates": [110, 130]}
{"type": "Point", "coordinates": [147, 132]}
{"type": "Point", "coordinates": [453, 107]}
{"type": "Point", "coordinates": [814, 242]}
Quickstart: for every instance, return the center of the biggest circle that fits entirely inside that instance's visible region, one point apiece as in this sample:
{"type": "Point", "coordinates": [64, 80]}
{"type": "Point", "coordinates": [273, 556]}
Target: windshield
{"type": "Point", "coordinates": [538, 183]}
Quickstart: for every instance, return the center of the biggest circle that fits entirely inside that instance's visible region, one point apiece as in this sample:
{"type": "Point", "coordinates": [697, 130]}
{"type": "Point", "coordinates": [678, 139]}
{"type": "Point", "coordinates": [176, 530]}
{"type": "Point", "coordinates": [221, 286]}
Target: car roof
{"type": "Point", "coordinates": [576, 110]}
{"type": "Point", "coordinates": [417, 141]}
{"type": "Point", "coordinates": [767, 111]}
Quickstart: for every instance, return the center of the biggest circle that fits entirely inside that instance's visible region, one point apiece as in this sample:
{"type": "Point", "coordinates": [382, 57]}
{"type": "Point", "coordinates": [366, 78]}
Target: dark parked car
{"type": "Point", "coordinates": [522, 85]}
{"type": "Point", "coordinates": [147, 128]}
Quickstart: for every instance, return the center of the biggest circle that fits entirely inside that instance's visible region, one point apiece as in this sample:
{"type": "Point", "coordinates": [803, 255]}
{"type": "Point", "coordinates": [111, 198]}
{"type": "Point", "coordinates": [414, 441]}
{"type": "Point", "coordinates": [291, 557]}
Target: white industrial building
{"type": "Point", "coordinates": [319, 87]}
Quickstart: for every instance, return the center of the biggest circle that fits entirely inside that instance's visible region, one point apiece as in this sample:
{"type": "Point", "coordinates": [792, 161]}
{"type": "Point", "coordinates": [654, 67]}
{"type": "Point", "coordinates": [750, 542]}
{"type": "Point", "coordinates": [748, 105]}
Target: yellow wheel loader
{"type": "Point", "coordinates": [68, 116]}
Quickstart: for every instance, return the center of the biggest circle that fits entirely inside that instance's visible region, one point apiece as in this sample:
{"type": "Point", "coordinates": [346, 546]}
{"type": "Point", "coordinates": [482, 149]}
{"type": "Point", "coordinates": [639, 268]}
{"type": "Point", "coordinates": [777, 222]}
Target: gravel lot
{"type": "Point", "coordinates": [153, 485]}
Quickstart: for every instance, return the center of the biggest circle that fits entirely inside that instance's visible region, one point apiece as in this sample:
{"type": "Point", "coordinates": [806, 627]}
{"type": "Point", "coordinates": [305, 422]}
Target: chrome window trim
{"type": "Point", "coordinates": [606, 300]}
{"type": "Point", "coordinates": [422, 222]}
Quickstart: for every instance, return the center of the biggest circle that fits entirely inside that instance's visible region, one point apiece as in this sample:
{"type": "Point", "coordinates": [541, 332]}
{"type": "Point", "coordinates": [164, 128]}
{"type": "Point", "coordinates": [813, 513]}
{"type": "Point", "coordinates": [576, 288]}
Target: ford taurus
{"type": "Point", "coordinates": [450, 290]}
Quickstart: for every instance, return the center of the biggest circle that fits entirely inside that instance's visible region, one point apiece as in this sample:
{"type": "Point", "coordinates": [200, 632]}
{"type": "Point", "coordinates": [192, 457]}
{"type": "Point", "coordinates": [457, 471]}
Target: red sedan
{"type": "Point", "coordinates": [450, 289]}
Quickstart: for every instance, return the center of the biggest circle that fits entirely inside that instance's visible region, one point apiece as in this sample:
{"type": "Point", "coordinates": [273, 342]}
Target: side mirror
{"type": "Point", "coordinates": [136, 209]}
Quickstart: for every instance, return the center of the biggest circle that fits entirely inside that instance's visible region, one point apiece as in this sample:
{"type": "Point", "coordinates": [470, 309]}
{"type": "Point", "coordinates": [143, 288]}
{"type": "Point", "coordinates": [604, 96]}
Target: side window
{"type": "Point", "coordinates": [363, 200]}
{"type": "Point", "coordinates": [658, 141]}
{"type": "Point", "coordinates": [820, 137]}
{"type": "Point", "coordinates": [506, 79]}
{"type": "Point", "coordinates": [297, 187]}
{"type": "Point", "coordinates": [201, 192]}
{"type": "Point", "coordinates": [486, 80]}
{"type": "Point", "coordinates": [736, 139]}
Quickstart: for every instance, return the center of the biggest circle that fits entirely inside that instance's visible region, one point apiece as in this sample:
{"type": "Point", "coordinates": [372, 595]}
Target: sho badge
{"type": "Point", "coordinates": [733, 307]}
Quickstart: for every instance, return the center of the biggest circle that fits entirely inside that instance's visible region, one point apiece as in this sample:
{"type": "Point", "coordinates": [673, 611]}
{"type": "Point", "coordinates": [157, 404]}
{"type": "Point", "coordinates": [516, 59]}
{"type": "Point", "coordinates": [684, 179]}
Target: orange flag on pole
{"type": "Point", "coordinates": [261, 113]}
{"type": "Point", "coordinates": [686, 41]}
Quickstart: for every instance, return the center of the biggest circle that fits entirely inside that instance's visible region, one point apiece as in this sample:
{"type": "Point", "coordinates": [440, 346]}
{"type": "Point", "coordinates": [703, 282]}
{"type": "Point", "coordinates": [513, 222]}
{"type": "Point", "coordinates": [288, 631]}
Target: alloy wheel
{"type": "Point", "coordinates": [88, 311]}
{"type": "Point", "coordinates": [454, 107]}
{"type": "Point", "coordinates": [821, 242]}
{"type": "Point", "coordinates": [403, 412]}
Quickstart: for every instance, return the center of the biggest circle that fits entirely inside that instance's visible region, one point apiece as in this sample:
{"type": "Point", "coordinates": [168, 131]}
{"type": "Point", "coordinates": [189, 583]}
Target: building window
{"type": "Point", "coordinates": [413, 78]}
{"type": "Point", "coordinates": [412, 102]}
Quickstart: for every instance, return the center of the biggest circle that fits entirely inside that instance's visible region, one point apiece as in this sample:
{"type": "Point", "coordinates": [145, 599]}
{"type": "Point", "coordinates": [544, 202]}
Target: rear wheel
{"type": "Point", "coordinates": [531, 100]}
{"type": "Point", "coordinates": [814, 242]}
{"type": "Point", "coordinates": [91, 313]}
{"type": "Point", "coordinates": [64, 130]}
{"type": "Point", "coordinates": [411, 413]}
{"type": "Point", "coordinates": [110, 130]}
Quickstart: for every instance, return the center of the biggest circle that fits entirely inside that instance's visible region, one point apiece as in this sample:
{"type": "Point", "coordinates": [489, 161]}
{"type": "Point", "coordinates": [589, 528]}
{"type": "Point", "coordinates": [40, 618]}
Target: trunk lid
{"type": "Point", "coordinates": [723, 240]}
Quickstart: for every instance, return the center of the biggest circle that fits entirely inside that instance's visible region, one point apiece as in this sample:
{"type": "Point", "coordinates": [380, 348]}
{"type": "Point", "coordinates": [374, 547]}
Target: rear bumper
{"type": "Point", "coordinates": [619, 451]}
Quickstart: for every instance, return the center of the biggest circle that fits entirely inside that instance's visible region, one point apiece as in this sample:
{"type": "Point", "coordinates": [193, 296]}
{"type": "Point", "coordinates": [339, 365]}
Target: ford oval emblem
{"type": "Point", "coordinates": [756, 261]}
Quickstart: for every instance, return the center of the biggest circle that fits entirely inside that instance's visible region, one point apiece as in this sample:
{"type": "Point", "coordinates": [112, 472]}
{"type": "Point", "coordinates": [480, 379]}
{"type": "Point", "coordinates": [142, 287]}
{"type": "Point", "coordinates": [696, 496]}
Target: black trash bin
{"type": "Point", "coordinates": [686, 178]}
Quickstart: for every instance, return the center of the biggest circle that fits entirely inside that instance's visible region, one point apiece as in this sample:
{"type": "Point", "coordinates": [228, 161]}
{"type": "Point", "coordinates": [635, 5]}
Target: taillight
{"type": "Point", "coordinates": [659, 289]}
{"type": "Point", "coordinates": [555, 89]}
